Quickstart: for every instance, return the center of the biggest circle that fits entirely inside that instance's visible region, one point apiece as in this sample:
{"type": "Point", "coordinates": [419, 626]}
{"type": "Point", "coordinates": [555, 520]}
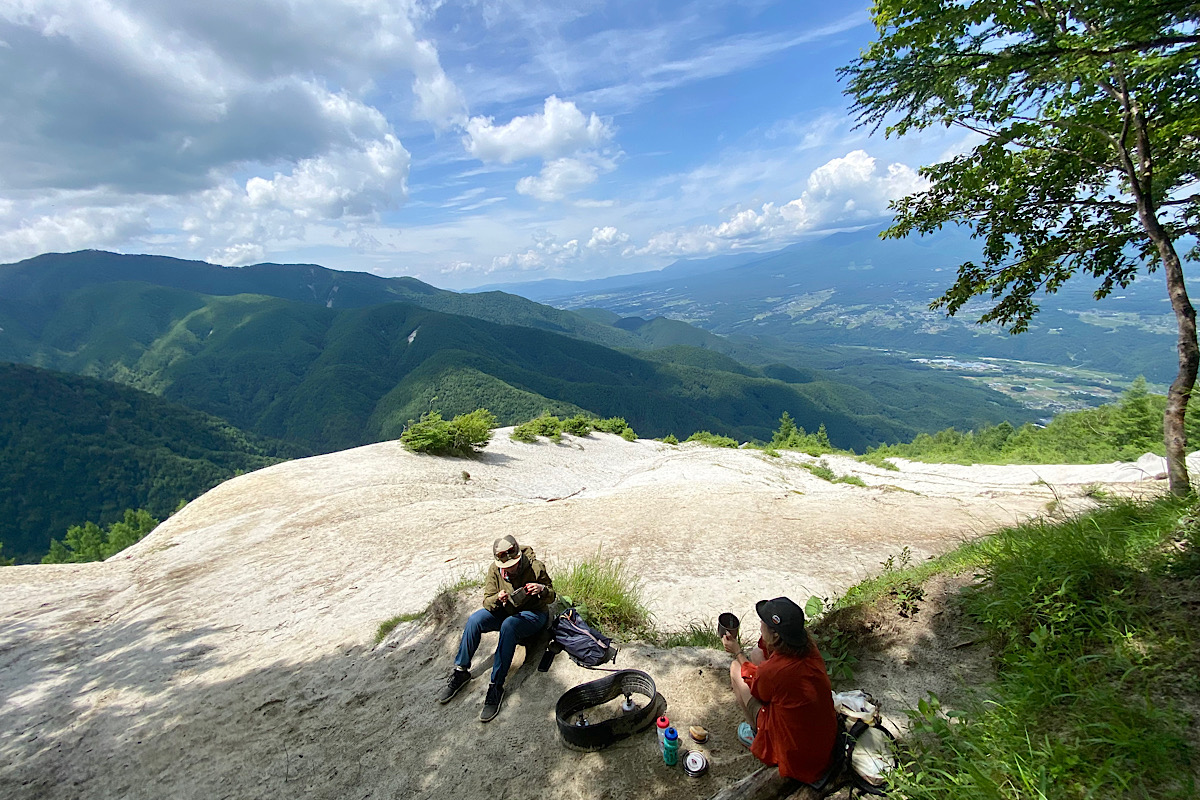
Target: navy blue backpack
{"type": "Point", "coordinates": [586, 646]}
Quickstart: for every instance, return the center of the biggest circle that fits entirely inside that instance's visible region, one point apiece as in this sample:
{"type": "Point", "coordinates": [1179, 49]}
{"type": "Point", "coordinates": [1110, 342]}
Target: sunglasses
{"type": "Point", "coordinates": [509, 554]}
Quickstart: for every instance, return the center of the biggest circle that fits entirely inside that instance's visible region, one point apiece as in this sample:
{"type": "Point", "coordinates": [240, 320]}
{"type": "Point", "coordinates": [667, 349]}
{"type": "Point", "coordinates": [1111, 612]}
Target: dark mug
{"type": "Point", "coordinates": [728, 623]}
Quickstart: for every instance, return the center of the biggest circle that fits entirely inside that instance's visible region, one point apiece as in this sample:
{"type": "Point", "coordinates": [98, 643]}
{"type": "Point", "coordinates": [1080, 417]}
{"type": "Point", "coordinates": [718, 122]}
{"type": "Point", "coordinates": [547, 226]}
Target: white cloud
{"type": "Point", "coordinates": [351, 184]}
{"type": "Point", "coordinates": [23, 236]}
{"type": "Point", "coordinates": [238, 255]}
{"type": "Point", "coordinates": [560, 129]}
{"type": "Point", "coordinates": [164, 97]}
{"type": "Point", "coordinates": [239, 124]}
{"type": "Point", "coordinates": [564, 176]}
{"type": "Point", "coordinates": [354, 183]}
{"type": "Point", "coordinates": [606, 238]}
{"type": "Point", "coordinates": [844, 191]}
{"type": "Point", "coordinates": [438, 99]}
{"type": "Point", "coordinates": [546, 252]}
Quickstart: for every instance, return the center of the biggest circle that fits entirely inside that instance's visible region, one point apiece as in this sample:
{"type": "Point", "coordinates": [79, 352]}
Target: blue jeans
{"type": "Point", "coordinates": [513, 628]}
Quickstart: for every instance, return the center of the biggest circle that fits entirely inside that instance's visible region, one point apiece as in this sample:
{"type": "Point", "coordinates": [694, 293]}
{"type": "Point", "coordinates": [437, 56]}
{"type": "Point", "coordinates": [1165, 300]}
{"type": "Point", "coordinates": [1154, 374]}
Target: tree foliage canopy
{"type": "Point", "coordinates": [1081, 111]}
{"type": "Point", "coordinates": [1087, 114]}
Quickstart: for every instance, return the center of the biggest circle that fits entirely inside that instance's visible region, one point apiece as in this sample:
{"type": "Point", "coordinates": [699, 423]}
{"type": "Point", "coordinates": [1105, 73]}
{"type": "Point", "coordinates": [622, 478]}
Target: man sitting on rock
{"type": "Point", "coordinates": [785, 693]}
{"type": "Point", "coordinates": [515, 596]}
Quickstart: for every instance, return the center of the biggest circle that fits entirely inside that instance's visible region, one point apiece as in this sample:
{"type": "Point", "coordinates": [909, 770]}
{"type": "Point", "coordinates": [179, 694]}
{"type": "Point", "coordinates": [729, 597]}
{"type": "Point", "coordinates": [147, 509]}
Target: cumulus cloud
{"type": "Point", "coordinates": [564, 176]}
{"type": "Point", "coordinates": [849, 190]}
{"type": "Point", "coordinates": [25, 235]}
{"type": "Point", "coordinates": [158, 95]}
{"type": "Point", "coordinates": [343, 185]}
{"type": "Point", "coordinates": [207, 114]}
{"type": "Point", "coordinates": [353, 183]}
{"type": "Point", "coordinates": [546, 252]}
{"type": "Point", "coordinates": [560, 129]}
{"type": "Point", "coordinates": [606, 238]}
{"type": "Point", "coordinates": [238, 255]}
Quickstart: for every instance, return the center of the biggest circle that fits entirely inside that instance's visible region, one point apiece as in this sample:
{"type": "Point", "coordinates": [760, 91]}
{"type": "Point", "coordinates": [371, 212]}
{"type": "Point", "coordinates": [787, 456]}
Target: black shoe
{"type": "Point", "coordinates": [492, 703]}
{"type": "Point", "coordinates": [458, 679]}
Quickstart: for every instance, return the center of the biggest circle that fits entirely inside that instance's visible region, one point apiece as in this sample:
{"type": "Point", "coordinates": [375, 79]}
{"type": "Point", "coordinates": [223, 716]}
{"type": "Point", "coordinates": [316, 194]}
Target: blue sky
{"type": "Point", "coordinates": [463, 143]}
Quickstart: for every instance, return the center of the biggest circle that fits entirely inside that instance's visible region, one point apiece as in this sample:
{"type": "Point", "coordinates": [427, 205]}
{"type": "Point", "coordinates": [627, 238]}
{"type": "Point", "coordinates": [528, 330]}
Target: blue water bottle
{"type": "Point", "coordinates": [671, 747]}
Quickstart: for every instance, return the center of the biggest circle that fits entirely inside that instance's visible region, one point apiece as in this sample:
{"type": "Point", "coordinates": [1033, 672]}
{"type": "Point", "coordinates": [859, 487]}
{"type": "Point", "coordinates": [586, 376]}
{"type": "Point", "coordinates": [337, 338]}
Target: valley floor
{"type": "Point", "coordinates": [229, 654]}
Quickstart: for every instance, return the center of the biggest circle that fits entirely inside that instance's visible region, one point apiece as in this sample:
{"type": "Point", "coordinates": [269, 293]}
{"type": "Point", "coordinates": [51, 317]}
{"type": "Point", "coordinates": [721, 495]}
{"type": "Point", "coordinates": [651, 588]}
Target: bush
{"type": "Point", "coordinates": [712, 439]}
{"type": "Point", "coordinates": [628, 435]}
{"type": "Point", "coordinates": [1120, 431]}
{"type": "Point", "coordinates": [461, 436]}
{"type": "Point", "coordinates": [670, 439]}
{"type": "Point", "coordinates": [546, 425]}
{"type": "Point", "coordinates": [577, 425]}
{"type": "Point", "coordinates": [616, 425]}
{"type": "Point", "coordinates": [607, 594]}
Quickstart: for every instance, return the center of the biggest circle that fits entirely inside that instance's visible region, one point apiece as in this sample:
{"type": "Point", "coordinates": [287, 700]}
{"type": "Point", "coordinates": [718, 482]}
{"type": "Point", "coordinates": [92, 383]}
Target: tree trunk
{"type": "Point", "coordinates": [765, 784]}
{"type": "Point", "coordinates": [1174, 435]}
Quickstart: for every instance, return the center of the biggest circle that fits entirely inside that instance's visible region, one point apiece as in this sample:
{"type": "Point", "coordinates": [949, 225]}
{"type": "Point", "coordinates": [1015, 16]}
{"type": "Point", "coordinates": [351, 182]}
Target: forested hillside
{"type": "Point", "coordinates": [33, 288]}
{"type": "Point", "coordinates": [330, 378]}
{"type": "Point", "coordinates": [75, 449]}
{"type": "Point", "coordinates": [61, 297]}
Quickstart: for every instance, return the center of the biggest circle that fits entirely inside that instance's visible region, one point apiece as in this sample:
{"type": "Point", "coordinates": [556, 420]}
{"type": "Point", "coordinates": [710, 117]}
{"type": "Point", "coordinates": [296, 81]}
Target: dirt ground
{"type": "Point", "coordinates": [231, 653]}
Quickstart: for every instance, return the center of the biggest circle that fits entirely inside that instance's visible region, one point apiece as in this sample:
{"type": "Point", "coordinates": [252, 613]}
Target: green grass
{"type": "Point", "coordinates": [387, 626]}
{"type": "Point", "coordinates": [694, 634]}
{"type": "Point", "coordinates": [607, 594]}
{"type": "Point", "coordinates": [876, 459]}
{"type": "Point", "coordinates": [1091, 641]}
{"type": "Point", "coordinates": [822, 471]}
{"type": "Point", "coordinates": [712, 439]}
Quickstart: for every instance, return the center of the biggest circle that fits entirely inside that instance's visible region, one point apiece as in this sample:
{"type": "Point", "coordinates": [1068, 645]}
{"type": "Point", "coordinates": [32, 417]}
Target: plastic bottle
{"type": "Point", "coordinates": [671, 747]}
{"type": "Point", "coordinates": [662, 723]}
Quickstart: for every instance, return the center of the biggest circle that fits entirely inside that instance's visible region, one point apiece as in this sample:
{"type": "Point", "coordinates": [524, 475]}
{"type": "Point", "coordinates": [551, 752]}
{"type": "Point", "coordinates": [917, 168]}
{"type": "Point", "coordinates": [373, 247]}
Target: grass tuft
{"type": "Point", "coordinates": [695, 634]}
{"type": "Point", "coordinates": [387, 626]}
{"type": "Point", "coordinates": [712, 440]}
{"type": "Point", "coordinates": [607, 594]}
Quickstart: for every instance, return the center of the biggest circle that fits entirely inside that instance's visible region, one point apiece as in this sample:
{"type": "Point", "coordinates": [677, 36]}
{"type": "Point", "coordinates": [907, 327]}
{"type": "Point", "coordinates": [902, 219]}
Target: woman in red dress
{"type": "Point", "coordinates": [783, 688]}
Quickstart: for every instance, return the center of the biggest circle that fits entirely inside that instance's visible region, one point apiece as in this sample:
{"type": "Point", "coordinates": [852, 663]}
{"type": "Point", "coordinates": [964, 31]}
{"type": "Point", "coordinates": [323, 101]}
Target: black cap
{"type": "Point", "coordinates": [785, 618]}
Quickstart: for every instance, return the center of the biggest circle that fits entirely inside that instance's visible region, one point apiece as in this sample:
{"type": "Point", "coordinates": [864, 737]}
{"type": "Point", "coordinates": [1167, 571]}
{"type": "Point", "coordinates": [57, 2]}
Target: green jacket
{"type": "Point", "coordinates": [530, 570]}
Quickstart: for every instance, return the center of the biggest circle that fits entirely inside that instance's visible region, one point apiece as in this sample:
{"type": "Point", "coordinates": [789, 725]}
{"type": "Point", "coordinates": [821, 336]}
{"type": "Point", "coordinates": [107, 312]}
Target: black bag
{"type": "Point", "coordinates": [586, 646]}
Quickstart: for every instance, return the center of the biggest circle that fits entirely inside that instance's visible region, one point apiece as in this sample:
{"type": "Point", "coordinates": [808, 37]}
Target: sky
{"type": "Point", "coordinates": [463, 143]}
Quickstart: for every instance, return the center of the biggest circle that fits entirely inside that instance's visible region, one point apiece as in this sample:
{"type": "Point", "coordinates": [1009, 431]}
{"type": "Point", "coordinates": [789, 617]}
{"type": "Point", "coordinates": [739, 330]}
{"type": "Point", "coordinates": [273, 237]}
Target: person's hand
{"type": "Point", "coordinates": [502, 597]}
{"type": "Point", "coordinates": [534, 588]}
{"type": "Point", "coordinates": [731, 643]}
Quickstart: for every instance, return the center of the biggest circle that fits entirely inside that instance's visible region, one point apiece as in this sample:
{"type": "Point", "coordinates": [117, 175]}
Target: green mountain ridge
{"type": "Point", "coordinates": [44, 282]}
{"type": "Point", "coordinates": [328, 371]}
{"type": "Point", "coordinates": [331, 379]}
{"type": "Point", "coordinates": [75, 448]}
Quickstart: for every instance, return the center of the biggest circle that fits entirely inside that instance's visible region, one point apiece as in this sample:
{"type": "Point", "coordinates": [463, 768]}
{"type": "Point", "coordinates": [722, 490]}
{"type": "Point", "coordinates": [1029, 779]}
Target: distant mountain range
{"type": "Point", "coordinates": [74, 449]}
{"type": "Point", "coordinates": [854, 289]}
{"type": "Point", "coordinates": [329, 359]}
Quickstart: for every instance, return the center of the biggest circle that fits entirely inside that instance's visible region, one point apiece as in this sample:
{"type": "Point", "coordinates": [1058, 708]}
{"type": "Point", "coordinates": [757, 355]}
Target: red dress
{"type": "Point", "coordinates": [797, 724]}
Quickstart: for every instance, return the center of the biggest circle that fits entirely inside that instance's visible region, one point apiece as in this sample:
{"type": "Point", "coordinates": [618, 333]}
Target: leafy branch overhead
{"type": "Point", "coordinates": [1082, 150]}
